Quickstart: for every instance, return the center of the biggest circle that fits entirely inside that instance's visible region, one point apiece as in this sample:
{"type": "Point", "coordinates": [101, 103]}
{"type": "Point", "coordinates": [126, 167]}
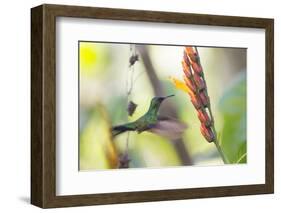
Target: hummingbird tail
{"type": "Point", "coordinates": [116, 130]}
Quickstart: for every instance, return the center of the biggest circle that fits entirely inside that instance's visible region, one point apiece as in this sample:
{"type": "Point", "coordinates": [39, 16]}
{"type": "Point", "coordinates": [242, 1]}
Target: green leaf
{"type": "Point", "coordinates": [97, 150]}
{"type": "Point", "coordinates": [233, 106]}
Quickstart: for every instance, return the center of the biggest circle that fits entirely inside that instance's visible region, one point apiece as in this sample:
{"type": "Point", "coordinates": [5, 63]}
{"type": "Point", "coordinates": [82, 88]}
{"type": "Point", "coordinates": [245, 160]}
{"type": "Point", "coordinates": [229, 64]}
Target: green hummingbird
{"type": "Point", "coordinates": [152, 122]}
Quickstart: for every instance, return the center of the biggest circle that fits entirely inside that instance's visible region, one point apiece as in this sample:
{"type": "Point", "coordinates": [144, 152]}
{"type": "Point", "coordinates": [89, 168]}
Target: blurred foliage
{"type": "Point", "coordinates": [158, 153]}
{"type": "Point", "coordinates": [92, 58]}
{"type": "Point", "coordinates": [233, 108]}
{"type": "Point", "coordinates": [97, 150]}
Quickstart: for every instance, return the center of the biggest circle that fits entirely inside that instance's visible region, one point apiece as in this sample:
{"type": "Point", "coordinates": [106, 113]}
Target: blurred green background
{"type": "Point", "coordinates": [104, 79]}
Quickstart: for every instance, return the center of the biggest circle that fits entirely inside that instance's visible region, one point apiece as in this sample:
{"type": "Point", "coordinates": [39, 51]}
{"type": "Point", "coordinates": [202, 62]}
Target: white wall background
{"type": "Point", "coordinates": [15, 105]}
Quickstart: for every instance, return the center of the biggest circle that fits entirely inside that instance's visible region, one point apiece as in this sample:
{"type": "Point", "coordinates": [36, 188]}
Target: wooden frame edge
{"type": "Point", "coordinates": [36, 106]}
{"type": "Point", "coordinates": [269, 120]}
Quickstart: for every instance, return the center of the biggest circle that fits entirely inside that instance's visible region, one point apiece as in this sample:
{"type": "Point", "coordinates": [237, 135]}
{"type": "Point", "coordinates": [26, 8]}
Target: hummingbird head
{"type": "Point", "coordinates": [156, 101]}
{"type": "Point", "coordinates": [161, 98]}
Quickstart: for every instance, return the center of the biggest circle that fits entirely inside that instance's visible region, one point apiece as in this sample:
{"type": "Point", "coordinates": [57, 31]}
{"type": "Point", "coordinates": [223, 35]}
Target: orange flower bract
{"type": "Point", "coordinates": [197, 90]}
{"type": "Point", "coordinates": [207, 133]}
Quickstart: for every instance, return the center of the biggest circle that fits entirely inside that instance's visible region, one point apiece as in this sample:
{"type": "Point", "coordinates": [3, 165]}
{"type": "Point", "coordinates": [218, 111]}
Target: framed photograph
{"type": "Point", "coordinates": [135, 106]}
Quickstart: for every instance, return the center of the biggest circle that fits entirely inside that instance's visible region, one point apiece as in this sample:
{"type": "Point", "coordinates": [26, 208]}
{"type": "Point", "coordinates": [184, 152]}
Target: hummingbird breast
{"type": "Point", "coordinates": [145, 123]}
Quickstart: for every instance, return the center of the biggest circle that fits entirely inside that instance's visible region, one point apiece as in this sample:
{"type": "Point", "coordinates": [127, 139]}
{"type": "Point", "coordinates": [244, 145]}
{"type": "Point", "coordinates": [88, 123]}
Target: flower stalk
{"type": "Point", "coordinates": [197, 90]}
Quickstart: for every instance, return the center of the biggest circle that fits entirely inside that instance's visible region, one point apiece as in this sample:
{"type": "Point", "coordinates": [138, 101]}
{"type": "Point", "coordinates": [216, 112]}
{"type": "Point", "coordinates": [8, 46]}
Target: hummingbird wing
{"type": "Point", "coordinates": [168, 127]}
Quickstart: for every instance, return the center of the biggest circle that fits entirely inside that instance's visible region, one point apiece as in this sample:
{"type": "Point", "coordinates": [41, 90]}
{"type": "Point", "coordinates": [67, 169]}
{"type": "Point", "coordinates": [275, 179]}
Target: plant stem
{"type": "Point", "coordinates": [216, 142]}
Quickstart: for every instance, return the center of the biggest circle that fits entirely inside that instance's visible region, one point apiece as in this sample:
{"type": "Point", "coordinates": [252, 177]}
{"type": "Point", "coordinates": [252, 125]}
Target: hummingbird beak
{"type": "Point", "coordinates": [168, 96]}
{"type": "Point", "coordinates": [163, 98]}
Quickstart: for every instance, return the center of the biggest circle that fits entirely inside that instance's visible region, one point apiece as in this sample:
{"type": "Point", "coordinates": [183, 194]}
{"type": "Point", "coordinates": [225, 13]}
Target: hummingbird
{"type": "Point", "coordinates": [152, 122]}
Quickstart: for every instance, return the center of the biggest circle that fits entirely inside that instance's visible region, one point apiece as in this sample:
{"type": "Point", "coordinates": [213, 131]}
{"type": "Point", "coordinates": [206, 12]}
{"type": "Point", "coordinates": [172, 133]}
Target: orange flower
{"type": "Point", "coordinates": [197, 103]}
{"type": "Point", "coordinates": [186, 59]}
{"type": "Point", "coordinates": [204, 117]}
{"type": "Point", "coordinates": [181, 85]}
{"type": "Point", "coordinates": [192, 54]}
{"type": "Point", "coordinates": [190, 84]}
{"type": "Point", "coordinates": [194, 84]}
{"type": "Point", "coordinates": [199, 81]}
{"type": "Point", "coordinates": [197, 68]}
{"type": "Point", "coordinates": [207, 133]}
{"type": "Point", "coordinates": [186, 69]}
{"type": "Point", "coordinates": [204, 98]}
